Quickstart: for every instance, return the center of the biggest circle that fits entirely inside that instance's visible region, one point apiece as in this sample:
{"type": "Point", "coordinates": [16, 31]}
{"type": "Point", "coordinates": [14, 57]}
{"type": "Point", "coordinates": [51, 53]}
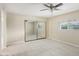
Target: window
{"type": "Point", "coordinates": [70, 25]}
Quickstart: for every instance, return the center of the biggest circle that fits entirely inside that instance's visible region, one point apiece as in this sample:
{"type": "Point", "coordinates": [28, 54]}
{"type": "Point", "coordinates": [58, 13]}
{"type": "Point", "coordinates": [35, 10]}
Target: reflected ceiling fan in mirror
{"type": "Point", "coordinates": [51, 6]}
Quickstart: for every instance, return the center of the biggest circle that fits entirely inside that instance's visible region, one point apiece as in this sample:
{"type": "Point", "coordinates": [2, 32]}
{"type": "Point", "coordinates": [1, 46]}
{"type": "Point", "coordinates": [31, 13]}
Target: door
{"type": "Point", "coordinates": [34, 30]}
{"type": "Point", "coordinates": [29, 31]}
{"type": "Point", "coordinates": [41, 30]}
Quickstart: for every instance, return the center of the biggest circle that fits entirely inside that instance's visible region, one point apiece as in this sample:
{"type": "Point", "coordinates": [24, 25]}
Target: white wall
{"type": "Point", "coordinates": [0, 29]}
{"type": "Point", "coordinates": [71, 36]}
{"type": "Point", "coordinates": [15, 26]}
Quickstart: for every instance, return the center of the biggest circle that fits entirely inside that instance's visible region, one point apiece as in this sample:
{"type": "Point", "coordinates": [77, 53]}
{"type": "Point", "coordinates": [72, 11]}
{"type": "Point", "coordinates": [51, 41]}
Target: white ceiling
{"type": "Point", "coordinates": [33, 9]}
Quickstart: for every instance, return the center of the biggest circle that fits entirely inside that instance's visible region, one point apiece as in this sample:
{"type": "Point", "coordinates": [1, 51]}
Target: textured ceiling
{"type": "Point", "coordinates": [33, 9]}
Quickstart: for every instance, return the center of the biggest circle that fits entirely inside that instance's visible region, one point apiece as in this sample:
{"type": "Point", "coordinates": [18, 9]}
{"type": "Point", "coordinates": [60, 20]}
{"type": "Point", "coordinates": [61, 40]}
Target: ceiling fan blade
{"type": "Point", "coordinates": [59, 4]}
{"type": "Point", "coordinates": [43, 9]}
{"type": "Point", "coordinates": [46, 5]}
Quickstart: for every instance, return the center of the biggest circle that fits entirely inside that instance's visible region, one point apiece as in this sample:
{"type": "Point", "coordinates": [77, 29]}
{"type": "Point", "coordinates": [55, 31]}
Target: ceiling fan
{"type": "Point", "coordinates": [51, 6]}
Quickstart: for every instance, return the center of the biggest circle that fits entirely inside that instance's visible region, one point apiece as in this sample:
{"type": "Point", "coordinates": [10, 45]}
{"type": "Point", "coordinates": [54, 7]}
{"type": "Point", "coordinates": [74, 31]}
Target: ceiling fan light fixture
{"type": "Point", "coordinates": [52, 7]}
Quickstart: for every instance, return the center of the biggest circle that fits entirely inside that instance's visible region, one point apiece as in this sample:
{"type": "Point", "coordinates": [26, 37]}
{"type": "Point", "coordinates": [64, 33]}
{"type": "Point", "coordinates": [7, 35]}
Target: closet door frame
{"type": "Point", "coordinates": [25, 35]}
{"type": "Point", "coordinates": [25, 30]}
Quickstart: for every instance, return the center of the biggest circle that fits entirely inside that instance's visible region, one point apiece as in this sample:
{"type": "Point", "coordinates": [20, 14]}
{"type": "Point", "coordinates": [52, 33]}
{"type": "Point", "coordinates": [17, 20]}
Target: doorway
{"type": "Point", "coordinates": [34, 30]}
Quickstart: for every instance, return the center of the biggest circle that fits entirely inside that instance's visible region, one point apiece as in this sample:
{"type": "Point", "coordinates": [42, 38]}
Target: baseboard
{"type": "Point", "coordinates": [69, 43]}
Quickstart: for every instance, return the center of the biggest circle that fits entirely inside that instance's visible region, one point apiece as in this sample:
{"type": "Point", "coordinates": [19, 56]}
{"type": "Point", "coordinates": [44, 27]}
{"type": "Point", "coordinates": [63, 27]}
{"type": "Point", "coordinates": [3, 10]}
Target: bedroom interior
{"type": "Point", "coordinates": [39, 29]}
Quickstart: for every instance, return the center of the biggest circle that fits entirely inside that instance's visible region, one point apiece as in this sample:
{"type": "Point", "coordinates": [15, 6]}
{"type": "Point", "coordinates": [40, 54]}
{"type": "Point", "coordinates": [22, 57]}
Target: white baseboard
{"type": "Point", "coordinates": [69, 43]}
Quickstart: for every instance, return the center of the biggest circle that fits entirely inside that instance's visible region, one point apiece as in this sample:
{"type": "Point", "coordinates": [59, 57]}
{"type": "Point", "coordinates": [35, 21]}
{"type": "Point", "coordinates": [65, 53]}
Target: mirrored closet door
{"type": "Point", "coordinates": [40, 30]}
{"type": "Point", "coordinates": [34, 30]}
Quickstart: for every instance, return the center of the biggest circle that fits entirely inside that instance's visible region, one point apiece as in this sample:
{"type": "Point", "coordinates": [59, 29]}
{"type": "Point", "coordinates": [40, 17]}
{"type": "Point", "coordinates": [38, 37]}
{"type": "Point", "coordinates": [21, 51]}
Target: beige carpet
{"type": "Point", "coordinates": [42, 47]}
